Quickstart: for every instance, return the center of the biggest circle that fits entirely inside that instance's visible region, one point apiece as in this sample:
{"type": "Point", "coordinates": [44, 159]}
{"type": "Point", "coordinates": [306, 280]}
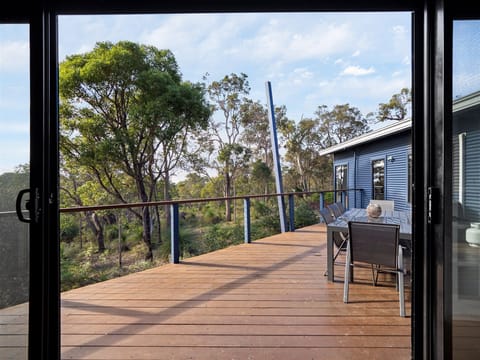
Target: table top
{"type": "Point", "coordinates": [402, 218]}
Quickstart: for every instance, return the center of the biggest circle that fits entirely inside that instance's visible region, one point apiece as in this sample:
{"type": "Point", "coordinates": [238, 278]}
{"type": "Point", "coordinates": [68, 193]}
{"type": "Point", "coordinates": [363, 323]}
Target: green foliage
{"type": "Point", "coordinates": [11, 183]}
{"type": "Point", "coordinates": [83, 266]}
{"type": "Point", "coordinates": [220, 236]}
{"type": "Point", "coordinates": [304, 214]}
{"type": "Point", "coordinates": [69, 227]}
{"type": "Point", "coordinates": [211, 215]}
{"type": "Point", "coordinates": [397, 108]}
{"type": "Point", "coordinates": [111, 232]}
{"type": "Point", "coordinates": [188, 243]}
{"type": "Point", "coordinates": [341, 123]}
{"type": "Point", "coordinates": [260, 209]}
{"type": "Point", "coordinates": [328, 198]}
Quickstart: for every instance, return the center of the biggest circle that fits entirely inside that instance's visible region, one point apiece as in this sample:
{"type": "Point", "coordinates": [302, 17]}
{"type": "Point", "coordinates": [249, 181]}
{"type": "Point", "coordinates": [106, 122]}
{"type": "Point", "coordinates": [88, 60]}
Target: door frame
{"type": "Point", "coordinates": [429, 87]}
{"type": "Point", "coordinates": [44, 339]}
{"type": "Point", "coordinates": [438, 173]}
{"type": "Point", "coordinates": [43, 304]}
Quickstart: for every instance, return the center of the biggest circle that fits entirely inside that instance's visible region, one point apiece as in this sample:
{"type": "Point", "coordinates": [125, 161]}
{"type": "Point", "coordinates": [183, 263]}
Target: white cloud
{"type": "Point", "coordinates": [279, 41]}
{"type": "Point", "coordinates": [399, 30]}
{"type": "Point", "coordinates": [304, 73]}
{"type": "Point", "coordinates": [356, 53]}
{"type": "Point", "coordinates": [15, 127]}
{"type": "Point", "coordinates": [357, 71]}
{"type": "Point", "coordinates": [14, 55]}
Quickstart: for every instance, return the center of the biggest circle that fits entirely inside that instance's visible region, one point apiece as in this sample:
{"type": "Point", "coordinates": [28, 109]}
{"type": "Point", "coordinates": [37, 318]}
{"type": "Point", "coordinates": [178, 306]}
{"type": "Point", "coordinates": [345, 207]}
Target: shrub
{"type": "Point", "coordinates": [304, 215]}
{"type": "Point", "coordinates": [69, 228]}
{"type": "Point", "coordinates": [220, 236]}
{"type": "Point", "coordinates": [188, 243]}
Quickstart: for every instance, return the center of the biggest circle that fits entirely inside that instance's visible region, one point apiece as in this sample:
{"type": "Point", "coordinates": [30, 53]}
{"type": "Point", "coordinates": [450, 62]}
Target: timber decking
{"type": "Point", "coordinates": [264, 300]}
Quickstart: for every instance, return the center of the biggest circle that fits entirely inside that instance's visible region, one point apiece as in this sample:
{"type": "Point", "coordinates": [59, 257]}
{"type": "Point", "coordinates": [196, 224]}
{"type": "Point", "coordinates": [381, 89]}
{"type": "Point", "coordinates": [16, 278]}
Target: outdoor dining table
{"type": "Point", "coordinates": [402, 218]}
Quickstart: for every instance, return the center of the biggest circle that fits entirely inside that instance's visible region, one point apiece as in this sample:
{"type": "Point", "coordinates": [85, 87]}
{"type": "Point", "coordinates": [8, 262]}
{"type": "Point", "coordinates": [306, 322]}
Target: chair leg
{"type": "Point", "coordinates": [374, 274]}
{"type": "Point", "coordinates": [346, 279]}
{"type": "Point", "coordinates": [336, 255]}
{"type": "Point", "coordinates": [401, 282]}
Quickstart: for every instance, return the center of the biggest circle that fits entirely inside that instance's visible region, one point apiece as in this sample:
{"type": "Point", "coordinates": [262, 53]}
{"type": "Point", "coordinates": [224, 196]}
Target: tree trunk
{"type": "Point", "coordinates": [147, 234]}
{"type": "Point", "coordinates": [146, 220]}
{"type": "Point", "coordinates": [159, 224]}
{"type": "Point", "coordinates": [95, 224]}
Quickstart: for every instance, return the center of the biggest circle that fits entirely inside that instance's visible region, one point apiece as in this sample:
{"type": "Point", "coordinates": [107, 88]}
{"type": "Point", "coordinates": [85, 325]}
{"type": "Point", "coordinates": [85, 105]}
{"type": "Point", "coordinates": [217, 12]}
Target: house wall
{"type": "Point", "coordinates": [359, 160]}
{"type": "Point", "coordinates": [466, 122]}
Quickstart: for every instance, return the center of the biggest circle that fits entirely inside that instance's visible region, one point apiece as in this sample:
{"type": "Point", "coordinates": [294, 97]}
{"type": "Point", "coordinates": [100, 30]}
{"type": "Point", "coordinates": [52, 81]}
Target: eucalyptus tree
{"type": "Point", "coordinates": [256, 133]}
{"type": "Point", "coordinates": [120, 105]}
{"type": "Point", "coordinates": [302, 142]}
{"type": "Point", "coordinates": [221, 142]}
{"type": "Point", "coordinates": [397, 108]}
{"type": "Point", "coordinates": [341, 123]}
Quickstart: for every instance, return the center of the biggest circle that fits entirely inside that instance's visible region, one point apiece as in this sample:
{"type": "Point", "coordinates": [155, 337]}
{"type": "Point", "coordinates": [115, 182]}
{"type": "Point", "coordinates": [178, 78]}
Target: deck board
{"type": "Point", "coordinates": [264, 300]}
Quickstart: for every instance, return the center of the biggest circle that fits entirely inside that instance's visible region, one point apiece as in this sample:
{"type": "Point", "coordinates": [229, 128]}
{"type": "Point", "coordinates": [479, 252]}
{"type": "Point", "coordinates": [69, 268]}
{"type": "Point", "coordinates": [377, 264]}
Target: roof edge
{"type": "Point", "coordinates": [370, 136]}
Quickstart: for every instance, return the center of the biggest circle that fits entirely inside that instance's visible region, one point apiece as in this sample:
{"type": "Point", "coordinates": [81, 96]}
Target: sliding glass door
{"type": "Point", "coordinates": [14, 178]}
{"type": "Point", "coordinates": [465, 200]}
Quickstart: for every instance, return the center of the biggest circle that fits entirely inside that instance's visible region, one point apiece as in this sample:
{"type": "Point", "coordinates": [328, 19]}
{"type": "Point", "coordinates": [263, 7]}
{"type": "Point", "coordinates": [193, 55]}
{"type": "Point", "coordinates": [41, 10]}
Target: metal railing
{"type": "Point", "coordinates": [174, 210]}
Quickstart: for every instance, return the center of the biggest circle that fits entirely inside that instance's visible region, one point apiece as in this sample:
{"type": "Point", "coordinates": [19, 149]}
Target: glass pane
{"type": "Point", "coordinates": [466, 191]}
{"type": "Point", "coordinates": [14, 176]}
{"type": "Point", "coordinates": [378, 179]}
{"type": "Point", "coordinates": [341, 180]}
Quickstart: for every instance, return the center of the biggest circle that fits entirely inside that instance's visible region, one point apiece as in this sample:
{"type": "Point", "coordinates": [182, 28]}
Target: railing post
{"type": "Point", "coordinates": [291, 210]}
{"type": "Point", "coordinates": [246, 220]}
{"type": "Point", "coordinates": [120, 242]}
{"type": "Point", "coordinates": [322, 200]}
{"type": "Point", "coordinates": [174, 231]}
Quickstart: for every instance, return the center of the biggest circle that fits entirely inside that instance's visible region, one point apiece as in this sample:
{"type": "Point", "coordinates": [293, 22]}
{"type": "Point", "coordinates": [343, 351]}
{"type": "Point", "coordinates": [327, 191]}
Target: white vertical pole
{"type": "Point", "coordinates": [276, 157]}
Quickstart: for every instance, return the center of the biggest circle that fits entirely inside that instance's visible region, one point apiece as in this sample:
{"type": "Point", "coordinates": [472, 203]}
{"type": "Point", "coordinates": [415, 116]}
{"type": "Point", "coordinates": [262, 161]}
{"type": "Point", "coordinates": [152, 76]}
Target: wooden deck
{"type": "Point", "coordinates": [265, 300]}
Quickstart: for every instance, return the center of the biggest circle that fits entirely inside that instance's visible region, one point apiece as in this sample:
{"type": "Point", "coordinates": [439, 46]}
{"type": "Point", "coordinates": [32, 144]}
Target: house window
{"type": "Point", "coordinates": [410, 177]}
{"type": "Point", "coordinates": [378, 179]}
{"type": "Point", "coordinates": [341, 180]}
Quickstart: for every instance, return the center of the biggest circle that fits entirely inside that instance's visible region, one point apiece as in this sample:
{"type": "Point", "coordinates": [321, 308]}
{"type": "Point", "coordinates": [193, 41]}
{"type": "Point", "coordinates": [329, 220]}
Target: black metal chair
{"type": "Point", "coordinates": [336, 209]}
{"type": "Point", "coordinates": [376, 246]}
{"type": "Point", "coordinates": [339, 238]}
{"type": "Point", "coordinates": [341, 207]}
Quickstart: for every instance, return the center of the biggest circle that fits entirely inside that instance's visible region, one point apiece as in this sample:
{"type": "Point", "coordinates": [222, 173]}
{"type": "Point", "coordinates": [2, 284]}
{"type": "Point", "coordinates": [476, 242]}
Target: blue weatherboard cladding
{"type": "Point", "coordinates": [472, 175]}
{"type": "Point", "coordinates": [466, 122]}
{"type": "Point", "coordinates": [397, 147]}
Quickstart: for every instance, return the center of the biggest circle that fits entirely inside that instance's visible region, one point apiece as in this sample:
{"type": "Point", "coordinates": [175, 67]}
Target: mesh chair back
{"type": "Point", "coordinates": [335, 209]}
{"type": "Point", "coordinates": [338, 238]}
{"type": "Point", "coordinates": [340, 206]}
{"type": "Point", "coordinates": [327, 216]}
{"type": "Point", "coordinates": [374, 243]}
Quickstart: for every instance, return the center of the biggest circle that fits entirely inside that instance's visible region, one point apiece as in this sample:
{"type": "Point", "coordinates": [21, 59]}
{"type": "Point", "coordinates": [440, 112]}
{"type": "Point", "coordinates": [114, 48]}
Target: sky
{"type": "Point", "coordinates": [311, 59]}
{"type": "Point", "coordinates": [466, 58]}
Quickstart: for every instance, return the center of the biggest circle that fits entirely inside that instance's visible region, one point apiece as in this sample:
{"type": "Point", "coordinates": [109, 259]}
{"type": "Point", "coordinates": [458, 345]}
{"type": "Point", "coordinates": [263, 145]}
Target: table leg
{"type": "Point", "coordinates": [330, 255]}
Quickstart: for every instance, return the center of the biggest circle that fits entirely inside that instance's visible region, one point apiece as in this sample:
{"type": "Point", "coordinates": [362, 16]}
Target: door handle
{"type": "Point", "coordinates": [18, 206]}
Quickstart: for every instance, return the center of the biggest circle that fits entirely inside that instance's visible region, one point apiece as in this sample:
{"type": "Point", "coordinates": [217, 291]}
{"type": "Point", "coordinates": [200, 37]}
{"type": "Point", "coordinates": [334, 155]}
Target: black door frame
{"type": "Point", "coordinates": [44, 309]}
{"type": "Point", "coordinates": [431, 69]}
{"type": "Point", "coordinates": [437, 150]}
{"type": "Point", "coordinates": [44, 339]}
